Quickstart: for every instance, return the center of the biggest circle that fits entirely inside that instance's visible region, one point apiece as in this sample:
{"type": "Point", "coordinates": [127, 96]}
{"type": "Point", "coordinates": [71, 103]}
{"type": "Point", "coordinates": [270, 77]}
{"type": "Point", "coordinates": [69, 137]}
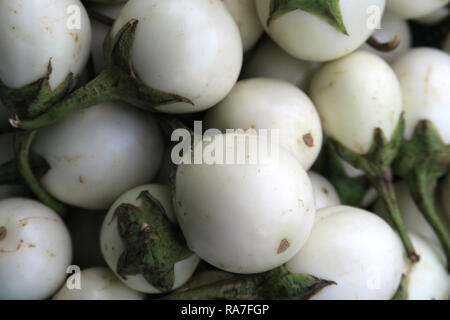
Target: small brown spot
{"type": "Point", "coordinates": [284, 245]}
{"type": "Point", "coordinates": [30, 245]}
{"type": "Point", "coordinates": [308, 139]}
{"type": "Point", "coordinates": [3, 232]}
{"type": "Point", "coordinates": [325, 190]}
{"type": "Point", "coordinates": [80, 178]}
{"type": "Point", "coordinates": [253, 126]}
{"type": "Point", "coordinates": [23, 223]}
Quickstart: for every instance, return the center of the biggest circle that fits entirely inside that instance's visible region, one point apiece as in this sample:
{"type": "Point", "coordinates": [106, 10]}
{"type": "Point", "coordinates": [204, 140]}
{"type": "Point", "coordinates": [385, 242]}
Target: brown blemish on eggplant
{"type": "Point", "coordinates": [284, 245]}
{"type": "Point", "coordinates": [3, 233]}
{"type": "Point", "coordinates": [308, 139]}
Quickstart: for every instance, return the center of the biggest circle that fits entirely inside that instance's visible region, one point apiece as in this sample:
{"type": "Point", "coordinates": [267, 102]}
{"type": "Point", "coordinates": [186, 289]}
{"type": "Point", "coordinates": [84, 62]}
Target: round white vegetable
{"type": "Point", "coordinates": [98, 153]}
{"type": "Point", "coordinates": [324, 193]}
{"type": "Point", "coordinates": [112, 245]}
{"type": "Point", "coordinates": [428, 279]}
{"type": "Point", "coordinates": [249, 217]}
{"type": "Point", "coordinates": [246, 18]}
{"type": "Point", "coordinates": [390, 27]}
{"type": "Point", "coordinates": [357, 250]}
{"type": "Point", "coordinates": [414, 8]}
{"type": "Point", "coordinates": [445, 197]}
{"type": "Point", "coordinates": [34, 32]}
{"type": "Point", "coordinates": [100, 31]}
{"type": "Point", "coordinates": [271, 104]}
{"type": "Point", "coordinates": [35, 250]}
{"type": "Point", "coordinates": [191, 48]}
{"type": "Point", "coordinates": [306, 36]}
{"type": "Point", "coordinates": [269, 61]}
{"type": "Point", "coordinates": [411, 214]}
{"type": "Point", "coordinates": [84, 227]}
{"type": "Point", "coordinates": [354, 96]}
{"type": "Point", "coordinates": [424, 78]}
{"type": "Point", "coordinates": [434, 17]}
{"type": "Point", "coordinates": [98, 284]}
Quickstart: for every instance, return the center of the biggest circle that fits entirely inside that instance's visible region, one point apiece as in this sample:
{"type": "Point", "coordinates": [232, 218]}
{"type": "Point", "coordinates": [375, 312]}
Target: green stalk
{"type": "Point", "coordinates": [376, 164]}
{"type": "Point", "coordinates": [277, 284]}
{"type": "Point", "coordinates": [24, 142]}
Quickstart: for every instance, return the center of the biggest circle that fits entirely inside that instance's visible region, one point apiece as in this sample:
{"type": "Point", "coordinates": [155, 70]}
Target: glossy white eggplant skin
{"type": "Point", "coordinates": [35, 33]}
{"type": "Point", "coordinates": [191, 48]}
{"type": "Point", "coordinates": [270, 104]}
{"type": "Point", "coordinates": [357, 250]}
{"type": "Point", "coordinates": [244, 218]}
{"type": "Point", "coordinates": [427, 279]}
{"type": "Point", "coordinates": [356, 95]}
{"type": "Point", "coordinates": [245, 15]}
{"type": "Point", "coordinates": [307, 37]}
{"type": "Point", "coordinates": [35, 250]}
{"type": "Point", "coordinates": [424, 78]}
{"type": "Point", "coordinates": [325, 194]}
{"type": "Point", "coordinates": [268, 60]}
{"type": "Point", "coordinates": [98, 153]}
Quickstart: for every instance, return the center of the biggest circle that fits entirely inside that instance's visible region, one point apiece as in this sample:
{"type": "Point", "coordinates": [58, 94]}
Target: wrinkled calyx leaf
{"type": "Point", "coordinates": [277, 284]}
{"type": "Point", "coordinates": [117, 82]}
{"type": "Point", "coordinates": [327, 10]}
{"type": "Point", "coordinates": [34, 99]}
{"type": "Point", "coordinates": [421, 162]}
{"type": "Point", "coordinates": [153, 244]}
{"type": "Point", "coordinates": [376, 164]}
{"type": "Point", "coordinates": [351, 191]}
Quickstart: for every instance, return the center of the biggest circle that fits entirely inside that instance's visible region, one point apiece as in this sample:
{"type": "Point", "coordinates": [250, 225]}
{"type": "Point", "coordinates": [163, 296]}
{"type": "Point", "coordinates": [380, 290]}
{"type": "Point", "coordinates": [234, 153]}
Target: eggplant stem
{"type": "Point", "coordinates": [384, 185]}
{"type": "Point", "coordinates": [24, 141]}
{"type": "Point", "coordinates": [389, 46]}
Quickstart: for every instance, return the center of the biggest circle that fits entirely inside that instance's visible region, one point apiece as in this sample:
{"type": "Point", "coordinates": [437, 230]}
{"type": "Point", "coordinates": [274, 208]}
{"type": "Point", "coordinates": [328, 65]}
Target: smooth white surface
{"type": "Point", "coordinates": [33, 32]}
{"type": "Point", "coordinates": [434, 17]}
{"type": "Point", "coordinates": [414, 8]}
{"type": "Point", "coordinates": [98, 153]}
{"type": "Point", "coordinates": [324, 193]}
{"type": "Point", "coordinates": [268, 60]}
{"type": "Point", "coordinates": [112, 245]}
{"type": "Point", "coordinates": [357, 250]}
{"type": "Point", "coordinates": [428, 279]}
{"type": "Point", "coordinates": [245, 218]}
{"type": "Point", "coordinates": [354, 96]}
{"type": "Point", "coordinates": [36, 251]}
{"type": "Point", "coordinates": [98, 284]}
{"type": "Point", "coordinates": [306, 36]}
{"type": "Point", "coordinates": [269, 104]}
{"type": "Point", "coordinates": [390, 26]}
{"type": "Point", "coordinates": [245, 15]}
{"type": "Point", "coordinates": [192, 48]}
{"type": "Point", "coordinates": [424, 78]}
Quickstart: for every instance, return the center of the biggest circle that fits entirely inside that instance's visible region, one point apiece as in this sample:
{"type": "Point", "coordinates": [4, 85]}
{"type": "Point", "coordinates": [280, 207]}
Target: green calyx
{"type": "Point", "coordinates": [277, 284]}
{"type": "Point", "coordinates": [351, 191]}
{"type": "Point", "coordinates": [118, 82]}
{"type": "Point", "coordinates": [153, 244]}
{"type": "Point", "coordinates": [327, 10]}
{"type": "Point", "coordinates": [34, 99]}
{"type": "Point", "coordinates": [376, 164]}
{"type": "Point", "coordinates": [422, 161]}
{"type": "Point", "coordinates": [402, 291]}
